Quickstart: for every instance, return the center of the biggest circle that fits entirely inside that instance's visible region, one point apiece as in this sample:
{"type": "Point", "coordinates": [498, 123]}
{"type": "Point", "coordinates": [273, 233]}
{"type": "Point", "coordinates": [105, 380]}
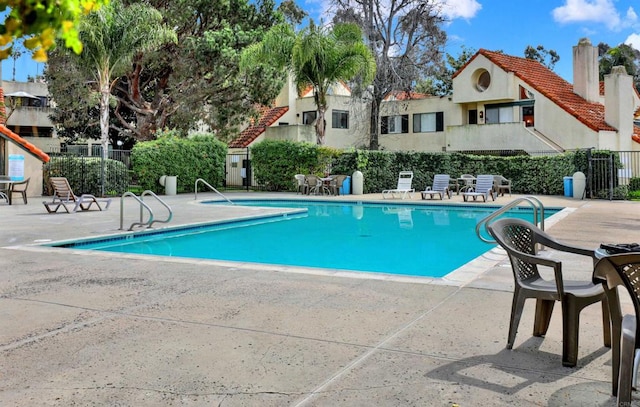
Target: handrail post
{"type": "Point", "coordinates": [534, 202]}
{"type": "Point", "coordinates": [210, 187]}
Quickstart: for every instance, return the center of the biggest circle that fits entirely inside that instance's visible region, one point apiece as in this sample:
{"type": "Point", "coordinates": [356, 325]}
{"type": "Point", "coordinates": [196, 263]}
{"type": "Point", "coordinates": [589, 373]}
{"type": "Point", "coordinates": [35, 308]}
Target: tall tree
{"type": "Point", "coordinates": [406, 39]}
{"type": "Point", "coordinates": [111, 38]}
{"type": "Point", "coordinates": [316, 57]}
{"type": "Point", "coordinates": [196, 82]}
{"type": "Point", "coordinates": [622, 55]}
{"type": "Point", "coordinates": [441, 82]}
{"type": "Point", "coordinates": [548, 58]}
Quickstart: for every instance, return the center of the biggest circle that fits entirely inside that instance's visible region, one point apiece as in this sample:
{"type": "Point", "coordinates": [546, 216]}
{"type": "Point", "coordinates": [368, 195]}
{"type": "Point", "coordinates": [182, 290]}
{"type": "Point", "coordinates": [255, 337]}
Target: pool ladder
{"type": "Point", "coordinates": [211, 188]}
{"type": "Point", "coordinates": [143, 206]}
{"type": "Point", "coordinates": [538, 215]}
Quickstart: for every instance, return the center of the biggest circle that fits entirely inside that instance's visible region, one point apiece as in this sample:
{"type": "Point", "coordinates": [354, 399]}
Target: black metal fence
{"type": "Point", "coordinates": [88, 172]}
{"type": "Point", "coordinates": [609, 174]}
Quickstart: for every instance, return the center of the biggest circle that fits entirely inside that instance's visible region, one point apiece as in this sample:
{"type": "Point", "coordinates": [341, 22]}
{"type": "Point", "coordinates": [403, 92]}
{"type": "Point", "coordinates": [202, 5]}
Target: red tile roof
{"type": "Point", "coordinates": [551, 86]}
{"type": "Point", "coordinates": [636, 134]}
{"type": "Point", "coordinates": [13, 137]}
{"type": "Point", "coordinates": [268, 116]}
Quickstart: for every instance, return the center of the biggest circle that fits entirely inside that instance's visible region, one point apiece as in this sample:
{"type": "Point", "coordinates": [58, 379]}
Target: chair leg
{"type": "Point", "coordinates": [606, 323]}
{"type": "Point", "coordinates": [544, 309]}
{"type": "Point", "coordinates": [626, 360]}
{"type": "Point", "coordinates": [570, 325]}
{"type": "Point", "coordinates": [516, 313]}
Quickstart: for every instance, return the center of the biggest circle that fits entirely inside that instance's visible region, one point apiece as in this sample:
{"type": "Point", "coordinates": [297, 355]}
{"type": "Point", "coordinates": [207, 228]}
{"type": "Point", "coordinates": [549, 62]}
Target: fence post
{"type": "Point", "coordinates": [249, 172]}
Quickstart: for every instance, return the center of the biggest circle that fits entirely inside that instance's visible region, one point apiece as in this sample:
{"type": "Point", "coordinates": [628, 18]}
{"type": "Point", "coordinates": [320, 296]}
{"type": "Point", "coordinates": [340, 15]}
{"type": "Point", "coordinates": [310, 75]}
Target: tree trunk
{"type": "Point", "coordinates": [373, 123]}
{"type": "Point", "coordinates": [321, 126]}
{"type": "Point", "coordinates": [105, 92]}
{"type": "Point", "coordinates": [104, 118]}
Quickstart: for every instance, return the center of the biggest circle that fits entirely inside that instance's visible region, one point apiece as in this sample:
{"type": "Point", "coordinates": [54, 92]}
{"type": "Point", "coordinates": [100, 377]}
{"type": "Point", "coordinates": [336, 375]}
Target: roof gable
{"type": "Point", "coordinates": [268, 116]}
{"type": "Point", "coordinates": [550, 85]}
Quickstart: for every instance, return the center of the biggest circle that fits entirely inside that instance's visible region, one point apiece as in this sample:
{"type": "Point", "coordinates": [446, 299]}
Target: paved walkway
{"type": "Point", "coordinates": [96, 329]}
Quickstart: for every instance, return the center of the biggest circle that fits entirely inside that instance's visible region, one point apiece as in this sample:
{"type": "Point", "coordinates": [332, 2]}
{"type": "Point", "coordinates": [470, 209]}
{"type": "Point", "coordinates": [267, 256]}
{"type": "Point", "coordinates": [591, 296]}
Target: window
{"type": "Point", "coordinates": [428, 122]}
{"type": "Point", "coordinates": [339, 119]}
{"type": "Point", "coordinates": [499, 115]}
{"type": "Point", "coordinates": [483, 79]}
{"type": "Point", "coordinates": [527, 116]}
{"type": "Point", "coordinates": [309, 117]}
{"type": "Point", "coordinates": [394, 124]}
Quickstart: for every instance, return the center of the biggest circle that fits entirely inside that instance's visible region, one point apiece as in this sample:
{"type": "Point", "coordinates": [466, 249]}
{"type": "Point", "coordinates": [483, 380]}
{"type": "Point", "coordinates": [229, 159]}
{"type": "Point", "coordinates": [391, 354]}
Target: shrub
{"type": "Point", "coordinates": [275, 162]}
{"type": "Point", "coordinates": [199, 156]}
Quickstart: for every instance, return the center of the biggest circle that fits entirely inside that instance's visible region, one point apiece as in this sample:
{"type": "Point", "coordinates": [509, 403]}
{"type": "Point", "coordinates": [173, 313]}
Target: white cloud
{"type": "Point", "coordinates": [631, 16]}
{"type": "Point", "coordinates": [466, 9]}
{"type": "Point", "coordinates": [600, 11]}
{"type": "Point", "coordinates": [633, 40]}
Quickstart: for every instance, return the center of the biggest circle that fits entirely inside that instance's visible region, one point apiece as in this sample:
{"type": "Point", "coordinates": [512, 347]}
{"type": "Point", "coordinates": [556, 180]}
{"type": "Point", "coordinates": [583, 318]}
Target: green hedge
{"type": "Point", "coordinates": [199, 156]}
{"type": "Point", "coordinates": [84, 175]}
{"type": "Point", "coordinates": [276, 162]}
{"type": "Point", "coordinates": [529, 175]}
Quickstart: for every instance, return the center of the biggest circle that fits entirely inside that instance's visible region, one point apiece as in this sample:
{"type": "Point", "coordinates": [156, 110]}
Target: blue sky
{"type": "Point", "coordinates": [507, 25]}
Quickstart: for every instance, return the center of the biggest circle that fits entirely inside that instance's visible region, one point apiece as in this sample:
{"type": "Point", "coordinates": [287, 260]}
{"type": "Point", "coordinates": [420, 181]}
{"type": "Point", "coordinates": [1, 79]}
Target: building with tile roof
{"type": "Point", "coordinates": [19, 158]}
{"type": "Point", "coordinates": [499, 102]}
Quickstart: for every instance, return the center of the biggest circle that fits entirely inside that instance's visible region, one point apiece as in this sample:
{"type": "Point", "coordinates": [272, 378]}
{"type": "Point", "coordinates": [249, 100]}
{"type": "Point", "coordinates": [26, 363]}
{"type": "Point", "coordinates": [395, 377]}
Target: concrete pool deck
{"type": "Point", "coordinates": [82, 328]}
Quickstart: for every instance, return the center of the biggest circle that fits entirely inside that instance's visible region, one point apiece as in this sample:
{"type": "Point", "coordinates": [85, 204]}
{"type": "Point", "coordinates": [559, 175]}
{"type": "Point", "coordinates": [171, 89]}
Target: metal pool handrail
{"type": "Point", "coordinates": [210, 187]}
{"type": "Point", "coordinates": [143, 205]}
{"type": "Point", "coordinates": [536, 205]}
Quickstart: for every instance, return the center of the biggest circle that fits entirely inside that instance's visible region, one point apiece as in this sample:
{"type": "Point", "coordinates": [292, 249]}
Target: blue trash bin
{"type": "Point", "coordinates": [568, 186]}
{"type": "Point", "coordinates": [345, 189]}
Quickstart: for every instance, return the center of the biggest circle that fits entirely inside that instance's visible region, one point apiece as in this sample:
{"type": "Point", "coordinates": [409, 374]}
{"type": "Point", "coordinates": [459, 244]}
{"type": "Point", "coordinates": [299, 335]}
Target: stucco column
{"type": "Point", "coordinates": [619, 105]}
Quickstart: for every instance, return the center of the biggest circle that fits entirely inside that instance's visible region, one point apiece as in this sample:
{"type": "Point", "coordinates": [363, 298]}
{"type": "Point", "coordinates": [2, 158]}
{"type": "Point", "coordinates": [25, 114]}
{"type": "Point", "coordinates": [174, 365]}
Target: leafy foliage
{"type": "Point", "coordinates": [191, 83]}
{"type": "Point", "coordinates": [548, 58]}
{"type": "Point", "coordinates": [112, 37]}
{"type": "Point", "coordinates": [622, 55]}
{"type": "Point", "coordinates": [39, 22]}
{"type": "Point", "coordinates": [529, 175]}
{"type": "Point", "coordinates": [200, 156]}
{"type": "Point", "coordinates": [441, 82]}
{"type": "Point", "coordinates": [316, 57]}
{"type": "Point", "coordinates": [275, 162]}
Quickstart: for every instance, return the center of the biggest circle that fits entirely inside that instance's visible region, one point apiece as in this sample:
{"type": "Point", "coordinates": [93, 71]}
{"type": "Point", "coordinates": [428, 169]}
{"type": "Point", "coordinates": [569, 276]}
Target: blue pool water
{"type": "Point", "coordinates": [415, 240]}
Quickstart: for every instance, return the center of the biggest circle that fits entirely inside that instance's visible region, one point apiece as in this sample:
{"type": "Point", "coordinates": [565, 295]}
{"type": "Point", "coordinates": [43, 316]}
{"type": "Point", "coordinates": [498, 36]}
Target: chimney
{"type": "Point", "coordinates": [585, 71]}
{"type": "Point", "coordinates": [619, 104]}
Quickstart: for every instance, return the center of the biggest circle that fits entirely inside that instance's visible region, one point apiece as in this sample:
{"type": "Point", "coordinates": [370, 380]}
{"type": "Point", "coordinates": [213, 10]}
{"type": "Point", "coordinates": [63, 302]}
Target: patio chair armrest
{"type": "Point", "coordinates": [547, 241]}
{"type": "Point", "coordinates": [541, 261]}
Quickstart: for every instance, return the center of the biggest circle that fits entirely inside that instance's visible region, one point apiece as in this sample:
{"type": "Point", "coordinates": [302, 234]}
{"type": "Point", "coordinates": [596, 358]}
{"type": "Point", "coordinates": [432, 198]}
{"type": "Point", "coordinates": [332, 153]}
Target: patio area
{"type": "Point", "coordinates": [83, 328]}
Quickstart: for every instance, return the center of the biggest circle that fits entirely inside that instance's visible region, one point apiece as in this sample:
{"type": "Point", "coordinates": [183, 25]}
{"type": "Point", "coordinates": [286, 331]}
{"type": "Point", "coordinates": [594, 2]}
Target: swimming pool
{"type": "Point", "coordinates": [403, 239]}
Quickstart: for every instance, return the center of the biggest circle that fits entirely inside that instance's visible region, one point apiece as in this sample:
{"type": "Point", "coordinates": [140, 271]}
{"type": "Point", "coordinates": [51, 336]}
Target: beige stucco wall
{"type": "Point", "coordinates": [428, 141]}
{"type": "Point", "coordinates": [31, 116]}
{"type": "Point", "coordinates": [502, 136]}
{"type": "Point", "coordinates": [561, 127]}
{"type": "Point", "coordinates": [503, 85]}
{"type": "Point", "coordinates": [32, 169]}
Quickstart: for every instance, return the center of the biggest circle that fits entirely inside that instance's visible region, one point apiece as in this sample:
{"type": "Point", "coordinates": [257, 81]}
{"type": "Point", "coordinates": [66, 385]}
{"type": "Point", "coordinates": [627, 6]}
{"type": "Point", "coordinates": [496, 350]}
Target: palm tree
{"type": "Point", "coordinates": [316, 57]}
{"type": "Point", "coordinates": [111, 38]}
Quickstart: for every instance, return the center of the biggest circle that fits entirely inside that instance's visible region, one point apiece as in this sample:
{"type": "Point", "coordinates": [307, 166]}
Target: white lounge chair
{"type": "Point", "coordinates": [403, 188]}
{"type": "Point", "coordinates": [440, 187]}
{"type": "Point", "coordinates": [482, 188]}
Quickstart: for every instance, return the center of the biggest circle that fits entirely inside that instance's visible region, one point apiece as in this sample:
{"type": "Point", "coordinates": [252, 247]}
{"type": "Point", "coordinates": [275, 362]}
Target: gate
{"type": "Point", "coordinates": [602, 177]}
{"type": "Point", "coordinates": [238, 174]}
